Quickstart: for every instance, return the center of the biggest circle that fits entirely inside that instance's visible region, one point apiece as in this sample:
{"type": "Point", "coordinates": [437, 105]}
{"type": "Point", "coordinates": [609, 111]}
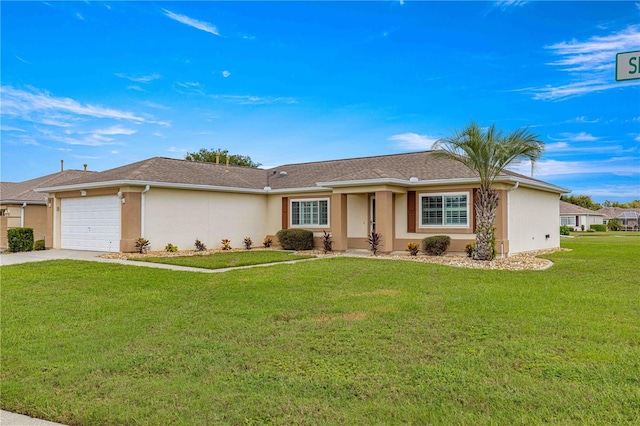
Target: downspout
{"type": "Point", "coordinates": [142, 208]}
{"type": "Point", "coordinates": [22, 214]}
{"type": "Point", "coordinates": [508, 215]}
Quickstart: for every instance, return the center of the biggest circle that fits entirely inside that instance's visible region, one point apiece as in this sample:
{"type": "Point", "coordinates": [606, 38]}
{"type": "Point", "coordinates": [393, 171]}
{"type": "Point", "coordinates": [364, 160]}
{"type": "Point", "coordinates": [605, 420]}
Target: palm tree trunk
{"type": "Point", "coordinates": [486, 207]}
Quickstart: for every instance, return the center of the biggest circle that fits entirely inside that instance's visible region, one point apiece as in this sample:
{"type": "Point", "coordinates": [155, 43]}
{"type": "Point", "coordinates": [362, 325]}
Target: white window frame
{"type": "Point", "coordinates": [570, 219]}
{"type": "Point", "coordinates": [303, 200]}
{"type": "Point", "coordinates": [443, 195]}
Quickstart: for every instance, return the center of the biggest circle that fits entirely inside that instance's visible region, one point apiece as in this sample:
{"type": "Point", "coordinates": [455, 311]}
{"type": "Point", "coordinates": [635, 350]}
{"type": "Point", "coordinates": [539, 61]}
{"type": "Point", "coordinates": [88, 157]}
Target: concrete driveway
{"type": "Point", "coordinates": [39, 255]}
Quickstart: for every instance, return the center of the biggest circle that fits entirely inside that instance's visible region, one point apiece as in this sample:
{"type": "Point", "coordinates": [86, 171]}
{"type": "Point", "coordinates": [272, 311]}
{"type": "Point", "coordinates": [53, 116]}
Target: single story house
{"type": "Point", "coordinates": [22, 207]}
{"type": "Point", "coordinates": [629, 218]}
{"type": "Point", "coordinates": [579, 218]}
{"type": "Point", "coordinates": [403, 197]}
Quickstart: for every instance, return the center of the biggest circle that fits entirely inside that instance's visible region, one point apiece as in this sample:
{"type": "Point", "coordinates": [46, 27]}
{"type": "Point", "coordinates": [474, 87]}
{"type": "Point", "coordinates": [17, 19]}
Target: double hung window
{"type": "Point", "coordinates": [310, 212]}
{"type": "Point", "coordinates": [444, 210]}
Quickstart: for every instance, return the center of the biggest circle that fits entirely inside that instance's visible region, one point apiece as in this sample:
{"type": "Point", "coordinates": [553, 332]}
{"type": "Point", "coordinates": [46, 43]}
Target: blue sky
{"type": "Point", "coordinates": [110, 83]}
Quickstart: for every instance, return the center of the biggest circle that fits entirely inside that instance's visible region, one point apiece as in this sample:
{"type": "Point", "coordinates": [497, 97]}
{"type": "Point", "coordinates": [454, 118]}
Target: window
{"type": "Point", "coordinates": [444, 210]}
{"type": "Point", "coordinates": [567, 220]}
{"type": "Point", "coordinates": [310, 212]}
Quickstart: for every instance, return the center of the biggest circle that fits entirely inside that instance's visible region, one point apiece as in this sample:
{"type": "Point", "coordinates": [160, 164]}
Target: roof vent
{"type": "Point", "coordinates": [413, 179]}
{"type": "Point", "coordinates": [283, 173]}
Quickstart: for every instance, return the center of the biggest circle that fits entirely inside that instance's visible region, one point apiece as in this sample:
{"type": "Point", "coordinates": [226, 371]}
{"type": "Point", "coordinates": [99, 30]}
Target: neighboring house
{"type": "Point", "coordinates": [403, 197]}
{"type": "Point", "coordinates": [630, 218]}
{"type": "Point", "coordinates": [579, 218]}
{"type": "Point", "coordinates": [21, 206]}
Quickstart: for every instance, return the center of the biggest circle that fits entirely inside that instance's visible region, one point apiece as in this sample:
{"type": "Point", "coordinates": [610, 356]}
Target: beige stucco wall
{"type": "Point", "coordinates": [532, 215]}
{"type": "Point", "coordinates": [180, 217]}
{"type": "Point", "coordinates": [35, 217]}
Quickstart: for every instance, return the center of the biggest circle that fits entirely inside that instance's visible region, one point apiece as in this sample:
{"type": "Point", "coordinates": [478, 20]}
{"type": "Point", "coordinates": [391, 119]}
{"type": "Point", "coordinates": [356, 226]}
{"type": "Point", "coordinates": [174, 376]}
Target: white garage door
{"type": "Point", "coordinates": [91, 223]}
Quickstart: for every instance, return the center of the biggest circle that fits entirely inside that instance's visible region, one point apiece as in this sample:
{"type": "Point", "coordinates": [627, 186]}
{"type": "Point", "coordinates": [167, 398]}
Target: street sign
{"type": "Point", "coordinates": [628, 66]}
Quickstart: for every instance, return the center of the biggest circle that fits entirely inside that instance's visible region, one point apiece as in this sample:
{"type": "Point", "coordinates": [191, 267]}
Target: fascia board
{"type": "Point", "coordinates": [165, 185]}
{"type": "Point", "coordinates": [29, 202]}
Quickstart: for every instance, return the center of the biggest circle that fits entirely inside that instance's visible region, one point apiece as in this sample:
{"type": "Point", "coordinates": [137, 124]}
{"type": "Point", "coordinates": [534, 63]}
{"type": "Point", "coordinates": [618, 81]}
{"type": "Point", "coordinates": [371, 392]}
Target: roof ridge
{"type": "Point", "coordinates": [353, 158]}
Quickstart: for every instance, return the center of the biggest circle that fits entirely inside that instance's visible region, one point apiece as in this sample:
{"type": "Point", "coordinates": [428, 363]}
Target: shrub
{"type": "Point", "coordinates": [170, 248]}
{"type": "Point", "coordinates": [375, 240]}
{"type": "Point", "coordinates": [267, 242]}
{"type": "Point", "coordinates": [469, 249]}
{"type": "Point", "coordinates": [598, 227]}
{"type": "Point", "coordinates": [38, 245]}
{"type": "Point", "coordinates": [20, 239]}
{"type": "Point", "coordinates": [436, 245]}
{"type": "Point", "coordinates": [226, 244]}
{"type": "Point", "coordinates": [295, 239]}
{"type": "Point", "coordinates": [142, 245]}
{"type": "Point", "coordinates": [614, 224]}
{"type": "Point", "coordinates": [326, 242]}
{"type": "Point", "coordinates": [247, 243]}
{"type": "Point", "coordinates": [413, 248]}
{"type": "Point", "coordinates": [199, 245]}
{"type": "Point", "coordinates": [565, 230]}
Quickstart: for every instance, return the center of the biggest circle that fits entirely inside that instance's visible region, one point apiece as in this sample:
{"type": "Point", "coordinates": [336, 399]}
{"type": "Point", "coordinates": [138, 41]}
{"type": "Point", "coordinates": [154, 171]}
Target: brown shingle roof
{"type": "Point", "coordinates": [568, 208]}
{"type": "Point", "coordinates": [169, 170]}
{"type": "Point", "coordinates": [24, 191]}
{"type": "Point", "coordinates": [421, 165]}
{"type": "Point", "coordinates": [613, 212]}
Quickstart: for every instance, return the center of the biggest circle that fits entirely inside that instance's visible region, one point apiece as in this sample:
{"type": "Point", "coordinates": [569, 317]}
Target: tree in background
{"type": "Point", "coordinates": [488, 152]}
{"type": "Point", "coordinates": [209, 156]}
{"type": "Point", "coordinates": [582, 201]}
{"type": "Point", "coordinates": [635, 204]}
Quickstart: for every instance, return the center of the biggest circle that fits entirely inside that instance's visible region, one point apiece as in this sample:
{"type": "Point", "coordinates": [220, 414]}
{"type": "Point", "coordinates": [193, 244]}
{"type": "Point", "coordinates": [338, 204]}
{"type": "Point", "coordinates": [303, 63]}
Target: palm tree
{"type": "Point", "coordinates": [488, 152]}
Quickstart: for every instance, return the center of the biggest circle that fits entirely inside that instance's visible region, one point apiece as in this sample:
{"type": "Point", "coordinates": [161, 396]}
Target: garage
{"type": "Point", "coordinates": [91, 223]}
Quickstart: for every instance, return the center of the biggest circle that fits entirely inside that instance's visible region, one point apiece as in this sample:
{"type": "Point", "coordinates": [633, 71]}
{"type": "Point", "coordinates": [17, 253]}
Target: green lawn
{"type": "Point", "coordinates": [227, 259]}
{"type": "Point", "coordinates": [334, 341]}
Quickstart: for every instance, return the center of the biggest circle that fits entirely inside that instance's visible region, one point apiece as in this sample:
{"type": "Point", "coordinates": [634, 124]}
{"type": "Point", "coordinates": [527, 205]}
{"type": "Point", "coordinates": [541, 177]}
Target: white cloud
{"type": "Point", "coordinates": [11, 129]}
{"type": "Point", "coordinates": [22, 60]}
{"type": "Point", "coordinates": [504, 4]}
{"type": "Point", "coordinates": [226, 73]}
{"type": "Point", "coordinates": [200, 25]}
{"type": "Point", "coordinates": [136, 88]}
{"type": "Point", "coordinates": [188, 84]}
{"type": "Point", "coordinates": [618, 191]}
{"type": "Point", "coordinates": [621, 166]}
{"type": "Point", "coordinates": [139, 79]}
{"type": "Point", "coordinates": [584, 119]}
{"type": "Point", "coordinates": [173, 149]}
{"type": "Point", "coordinates": [256, 100]}
{"type": "Point", "coordinates": [590, 64]}
{"type": "Point", "coordinates": [578, 137]}
{"type": "Point", "coordinates": [413, 141]}
{"type": "Point", "coordinates": [79, 16]}
{"type": "Point", "coordinates": [113, 130]}
{"type": "Point", "coordinates": [18, 102]}
{"type": "Point", "coordinates": [637, 138]}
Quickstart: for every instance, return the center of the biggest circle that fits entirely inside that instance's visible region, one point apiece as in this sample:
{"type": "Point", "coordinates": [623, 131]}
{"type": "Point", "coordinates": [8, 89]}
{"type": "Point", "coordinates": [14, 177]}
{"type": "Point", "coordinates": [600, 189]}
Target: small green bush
{"type": "Point", "coordinates": [199, 245]}
{"type": "Point", "coordinates": [170, 248]}
{"type": "Point", "coordinates": [267, 242]}
{"type": "Point", "coordinates": [226, 244]}
{"type": "Point", "coordinates": [20, 239]}
{"type": "Point", "coordinates": [436, 245]}
{"type": "Point", "coordinates": [614, 224]}
{"type": "Point", "coordinates": [295, 239]}
{"type": "Point", "coordinates": [597, 227]}
{"type": "Point", "coordinates": [413, 248]}
{"type": "Point", "coordinates": [142, 245]}
{"type": "Point", "coordinates": [565, 230]}
{"type": "Point", "coordinates": [469, 249]}
{"type": "Point", "coordinates": [38, 245]}
{"type": "Point", "coordinates": [247, 243]}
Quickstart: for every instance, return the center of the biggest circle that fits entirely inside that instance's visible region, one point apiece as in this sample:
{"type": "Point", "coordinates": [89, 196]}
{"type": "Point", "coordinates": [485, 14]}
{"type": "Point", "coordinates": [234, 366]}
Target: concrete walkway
{"type": "Point", "coordinates": [53, 254]}
{"type": "Point", "coordinates": [12, 419]}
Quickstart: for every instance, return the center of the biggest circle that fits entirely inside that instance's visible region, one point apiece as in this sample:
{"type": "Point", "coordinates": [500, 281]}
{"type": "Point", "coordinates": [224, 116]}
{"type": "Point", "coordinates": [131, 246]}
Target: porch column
{"type": "Point", "coordinates": [130, 221]}
{"type": "Point", "coordinates": [501, 224]}
{"type": "Point", "coordinates": [48, 236]}
{"type": "Point", "coordinates": [339, 221]}
{"type": "Point", "coordinates": [385, 225]}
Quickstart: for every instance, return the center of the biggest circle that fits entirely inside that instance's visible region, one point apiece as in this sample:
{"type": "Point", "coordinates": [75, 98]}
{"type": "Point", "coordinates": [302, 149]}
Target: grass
{"type": "Point", "coordinates": [334, 341]}
{"type": "Point", "coordinates": [227, 259]}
